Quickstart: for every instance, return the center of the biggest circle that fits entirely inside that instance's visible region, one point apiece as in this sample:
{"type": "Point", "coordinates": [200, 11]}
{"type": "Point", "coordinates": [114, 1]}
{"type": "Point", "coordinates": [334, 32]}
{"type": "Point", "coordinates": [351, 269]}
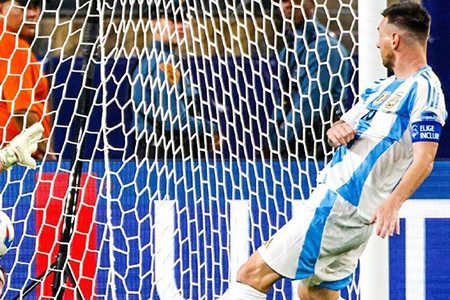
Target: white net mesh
{"type": "Point", "coordinates": [185, 134]}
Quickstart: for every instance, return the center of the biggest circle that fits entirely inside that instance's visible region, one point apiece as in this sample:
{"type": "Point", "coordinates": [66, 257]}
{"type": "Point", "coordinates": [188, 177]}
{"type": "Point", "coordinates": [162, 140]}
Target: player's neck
{"type": "Point", "coordinates": [408, 64]}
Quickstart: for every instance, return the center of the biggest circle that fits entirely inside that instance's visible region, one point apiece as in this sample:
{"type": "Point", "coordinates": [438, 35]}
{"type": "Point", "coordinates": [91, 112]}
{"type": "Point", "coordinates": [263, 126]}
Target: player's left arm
{"type": "Point", "coordinates": [386, 215]}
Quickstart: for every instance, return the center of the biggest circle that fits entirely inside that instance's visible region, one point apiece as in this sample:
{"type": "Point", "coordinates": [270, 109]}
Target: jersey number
{"type": "Point", "coordinates": [369, 116]}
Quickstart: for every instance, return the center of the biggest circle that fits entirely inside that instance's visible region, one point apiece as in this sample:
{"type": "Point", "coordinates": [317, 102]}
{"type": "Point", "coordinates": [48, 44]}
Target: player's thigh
{"type": "Point", "coordinates": [283, 250]}
{"type": "Point", "coordinates": [306, 292]}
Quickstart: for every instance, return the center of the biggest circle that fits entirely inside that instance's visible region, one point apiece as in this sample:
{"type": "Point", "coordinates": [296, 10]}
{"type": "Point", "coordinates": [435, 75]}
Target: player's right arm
{"type": "Point", "coordinates": [340, 134]}
{"type": "Point", "coordinates": [343, 131]}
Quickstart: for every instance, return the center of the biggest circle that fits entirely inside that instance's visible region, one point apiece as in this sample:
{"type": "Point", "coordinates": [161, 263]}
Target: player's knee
{"type": "Point", "coordinates": [256, 273]}
{"type": "Point", "coordinates": [247, 272]}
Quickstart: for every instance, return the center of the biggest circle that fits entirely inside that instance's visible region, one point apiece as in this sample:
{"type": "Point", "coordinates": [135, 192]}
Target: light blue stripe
{"type": "Point", "coordinates": [431, 90]}
{"type": "Point", "coordinates": [351, 191]}
{"type": "Point", "coordinates": [338, 284]}
{"type": "Point", "coordinates": [423, 70]}
{"type": "Point", "coordinates": [433, 95]}
{"type": "Point", "coordinates": [338, 155]}
{"type": "Point", "coordinates": [313, 240]}
{"type": "Point", "coordinates": [434, 98]}
{"type": "Point", "coordinates": [425, 75]}
{"type": "Point", "coordinates": [370, 91]}
{"type": "Point", "coordinates": [409, 101]}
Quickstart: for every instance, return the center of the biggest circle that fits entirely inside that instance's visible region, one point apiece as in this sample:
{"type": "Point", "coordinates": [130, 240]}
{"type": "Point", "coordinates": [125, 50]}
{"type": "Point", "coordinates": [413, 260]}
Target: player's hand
{"type": "Point", "coordinates": [340, 134]}
{"type": "Point", "coordinates": [386, 217]}
{"type": "Point", "coordinates": [26, 143]}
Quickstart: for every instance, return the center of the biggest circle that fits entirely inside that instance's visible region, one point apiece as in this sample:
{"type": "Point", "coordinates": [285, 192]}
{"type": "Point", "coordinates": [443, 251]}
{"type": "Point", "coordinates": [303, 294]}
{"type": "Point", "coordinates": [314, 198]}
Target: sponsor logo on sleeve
{"type": "Point", "coordinates": [428, 116]}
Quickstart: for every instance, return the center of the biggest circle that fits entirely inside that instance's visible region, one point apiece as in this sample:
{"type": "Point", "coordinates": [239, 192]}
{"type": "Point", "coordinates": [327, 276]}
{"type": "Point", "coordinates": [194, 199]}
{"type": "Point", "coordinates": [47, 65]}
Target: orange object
{"type": "Point", "coordinates": [21, 84]}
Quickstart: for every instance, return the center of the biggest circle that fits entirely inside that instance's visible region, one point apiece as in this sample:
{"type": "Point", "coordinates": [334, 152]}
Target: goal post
{"type": "Point", "coordinates": [374, 275]}
{"type": "Point", "coordinates": [202, 140]}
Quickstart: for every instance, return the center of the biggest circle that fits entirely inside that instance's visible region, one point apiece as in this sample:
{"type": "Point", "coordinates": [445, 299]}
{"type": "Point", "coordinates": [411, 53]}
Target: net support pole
{"type": "Point", "coordinates": [374, 273]}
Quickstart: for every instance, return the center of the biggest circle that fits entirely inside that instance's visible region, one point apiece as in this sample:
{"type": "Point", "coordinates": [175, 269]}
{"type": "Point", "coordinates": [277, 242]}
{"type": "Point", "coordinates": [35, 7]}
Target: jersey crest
{"type": "Point", "coordinates": [395, 99]}
{"type": "Point", "coordinates": [173, 75]}
{"type": "Point", "coordinates": [381, 98]}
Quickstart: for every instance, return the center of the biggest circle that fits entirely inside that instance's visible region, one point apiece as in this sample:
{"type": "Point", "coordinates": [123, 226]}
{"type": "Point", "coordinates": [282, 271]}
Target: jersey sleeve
{"type": "Point", "coordinates": [428, 112]}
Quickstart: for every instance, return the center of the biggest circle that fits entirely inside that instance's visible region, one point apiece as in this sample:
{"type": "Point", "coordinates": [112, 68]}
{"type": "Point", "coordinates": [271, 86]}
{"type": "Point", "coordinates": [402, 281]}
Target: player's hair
{"type": "Point", "coordinates": [411, 17]}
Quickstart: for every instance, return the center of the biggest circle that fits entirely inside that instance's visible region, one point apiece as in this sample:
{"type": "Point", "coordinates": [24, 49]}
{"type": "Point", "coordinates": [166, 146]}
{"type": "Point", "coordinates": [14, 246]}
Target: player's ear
{"type": "Point", "coordinates": [395, 40]}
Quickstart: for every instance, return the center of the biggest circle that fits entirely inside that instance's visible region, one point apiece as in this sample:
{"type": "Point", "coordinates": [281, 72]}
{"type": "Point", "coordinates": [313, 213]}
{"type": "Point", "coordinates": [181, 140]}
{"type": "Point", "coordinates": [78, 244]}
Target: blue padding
{"type": "Point", "coordinates": [437, 263]}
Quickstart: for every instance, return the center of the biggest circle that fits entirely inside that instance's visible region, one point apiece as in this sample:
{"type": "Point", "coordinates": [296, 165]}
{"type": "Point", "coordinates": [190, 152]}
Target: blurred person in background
{"type": "Point", "coordinates": [24, 98]}
{"type": "Point", "coordinates": [312, 72]}
{"type": "Point", "coordinates": [166, 112]}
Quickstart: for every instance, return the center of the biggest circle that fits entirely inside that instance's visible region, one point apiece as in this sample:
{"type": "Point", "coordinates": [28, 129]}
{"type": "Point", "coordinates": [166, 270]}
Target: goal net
{"type": "Point", "coordinates": [184, 134]}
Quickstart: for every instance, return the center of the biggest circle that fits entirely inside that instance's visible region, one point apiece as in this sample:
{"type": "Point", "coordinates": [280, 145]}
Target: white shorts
{"type": "Point", "coordinates": [320, 246]}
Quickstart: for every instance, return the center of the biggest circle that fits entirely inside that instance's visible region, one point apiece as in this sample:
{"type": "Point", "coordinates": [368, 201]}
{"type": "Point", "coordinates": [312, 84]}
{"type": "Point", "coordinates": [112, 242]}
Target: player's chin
{"type": "Point", "coordinates": [28, 31]}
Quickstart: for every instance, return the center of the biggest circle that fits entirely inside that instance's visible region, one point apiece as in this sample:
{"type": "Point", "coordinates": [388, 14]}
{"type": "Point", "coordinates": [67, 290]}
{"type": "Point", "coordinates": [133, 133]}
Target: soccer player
{"type": "Point", "coordinates": [386, 145]}
{"type": "Point", "coordinates": [310, 89]}
{"type": "Point", "coordinates": [164, 97]}
{"type": "Point", "coordinates": [21, 147]}
{"type": "Point", "coordinates": [24, 96]}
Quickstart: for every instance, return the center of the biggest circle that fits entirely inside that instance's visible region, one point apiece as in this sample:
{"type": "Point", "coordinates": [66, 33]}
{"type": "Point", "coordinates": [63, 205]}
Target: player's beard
{"type": "Point", "coordinates": [389, 60]}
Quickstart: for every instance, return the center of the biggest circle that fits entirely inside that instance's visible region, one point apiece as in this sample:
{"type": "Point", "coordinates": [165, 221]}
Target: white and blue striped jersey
{"type": "Point", "coordinates": [390, 116]}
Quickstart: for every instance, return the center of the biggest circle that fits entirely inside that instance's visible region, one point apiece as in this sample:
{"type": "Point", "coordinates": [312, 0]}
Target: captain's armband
{"type": "Point", "coordinates": [426, 131]}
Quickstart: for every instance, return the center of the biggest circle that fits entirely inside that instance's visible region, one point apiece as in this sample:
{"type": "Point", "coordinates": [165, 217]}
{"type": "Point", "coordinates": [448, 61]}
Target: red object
{"type": "Point", "coordinates": [49, 221]}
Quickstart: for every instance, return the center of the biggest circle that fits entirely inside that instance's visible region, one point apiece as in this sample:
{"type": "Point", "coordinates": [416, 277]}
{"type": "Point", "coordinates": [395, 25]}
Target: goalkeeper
{"type": "Point", "coordinates": [23, 90]}
{"type": "Point", "coordinates": [386, 145]}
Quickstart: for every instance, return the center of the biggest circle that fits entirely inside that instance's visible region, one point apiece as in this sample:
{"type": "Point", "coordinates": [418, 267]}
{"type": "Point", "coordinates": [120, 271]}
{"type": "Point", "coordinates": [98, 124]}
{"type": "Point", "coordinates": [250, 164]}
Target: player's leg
{"type": "Point", "coordinates": [292, 252]}
{"type": "Point", "coordinates": [257, 274]}
{"type": "Point", "coordinates": [275, 259]}
{"type": "Point", "coordinates": [306, 292]}
{"type": "Point", "coordinates": [254, 280]}
{"type": "Point", "coordinates": [343, 241]}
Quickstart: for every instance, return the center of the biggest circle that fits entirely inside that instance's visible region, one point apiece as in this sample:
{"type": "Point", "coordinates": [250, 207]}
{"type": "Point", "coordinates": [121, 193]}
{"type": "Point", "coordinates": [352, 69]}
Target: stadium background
{"type": "Point", "coordinates": [437, 268]}
{"type": "Point", "coordinates": [64, 37]}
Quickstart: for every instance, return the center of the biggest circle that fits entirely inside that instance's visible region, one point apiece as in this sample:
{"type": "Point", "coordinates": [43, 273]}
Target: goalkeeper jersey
{"type": "Point", "coordinates": [23, 86]}
{"type": "Point", "coordinates": [390, 116]}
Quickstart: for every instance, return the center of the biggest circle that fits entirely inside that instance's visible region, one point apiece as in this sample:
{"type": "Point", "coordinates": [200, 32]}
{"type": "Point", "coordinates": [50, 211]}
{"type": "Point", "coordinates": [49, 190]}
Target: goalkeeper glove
{"type": "Point", "coordinates": [21, 147]}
